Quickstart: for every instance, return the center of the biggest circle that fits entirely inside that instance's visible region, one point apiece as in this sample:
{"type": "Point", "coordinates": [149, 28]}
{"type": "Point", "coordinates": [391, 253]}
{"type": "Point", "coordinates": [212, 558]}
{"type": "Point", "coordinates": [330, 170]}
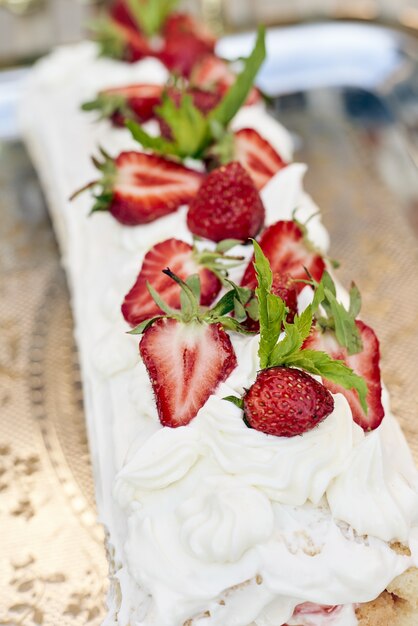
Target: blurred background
{"type": "Point", "coordinates": [30, 27]}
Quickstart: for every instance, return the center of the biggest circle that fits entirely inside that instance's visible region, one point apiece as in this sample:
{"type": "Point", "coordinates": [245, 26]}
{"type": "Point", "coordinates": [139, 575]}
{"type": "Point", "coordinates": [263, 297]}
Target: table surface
{"type": "Point", "coordinates": [52, 562]}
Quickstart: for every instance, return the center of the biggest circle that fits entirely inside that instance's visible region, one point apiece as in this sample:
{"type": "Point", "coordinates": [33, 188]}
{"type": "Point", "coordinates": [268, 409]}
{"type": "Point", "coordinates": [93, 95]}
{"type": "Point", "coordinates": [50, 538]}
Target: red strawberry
{"type": "Point", "coordinates": [257, 156]}
{"type": "Point", "coordinates": [136, 45]}
{"type": "Point", "coordinates": [119, 12]}
{"type": "Point", "coordinates": [185, 363]}
{"type": "Point", "coordinates": [288, 252]}
{"type": "Point", "coordinates": [284, 287]}
{"type": "Point", "coordinates": [135, 102]}
{"type": "Point", "coordinates": [286, 402]}
{"type": "Point", "coordinates": [227, 206]}
{"type": "Point", "coordinates": [178, 256]}
{"type": "Point", "coordinates": [215, 74]}
{"type": "Point", "coordinates": [364, 363]}
{"type": "Point", "coordinates": [186, 42]}
{"type": "Point", "coordinates": [138, 188]}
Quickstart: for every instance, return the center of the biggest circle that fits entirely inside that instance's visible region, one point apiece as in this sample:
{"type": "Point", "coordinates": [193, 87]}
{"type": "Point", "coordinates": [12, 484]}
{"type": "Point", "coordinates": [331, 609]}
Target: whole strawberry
{"type": "Point", "coordinates": [285, 402]}
{"type": "Point", "coordinates": [227, 206]}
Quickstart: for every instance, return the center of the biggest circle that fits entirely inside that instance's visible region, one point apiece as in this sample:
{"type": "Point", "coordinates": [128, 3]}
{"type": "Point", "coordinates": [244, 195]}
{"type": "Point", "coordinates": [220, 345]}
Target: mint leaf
{"type": "Point", "coordinates": [142, 327]}
{"type": "Point", "coordinates": [150, 15]}
{"type": "Point", "coordinates": [189, 127]}
{"type": "Point", "coordinates": [272, 309]}
{"type": "Point", "coordinates": [156, 144]}
{"type": "Point", "coordinates": [239, 402]}
{"type": "Point", "coordinates": [337, 318]}
{"type": "Point", "coordinates": [323, 365]}
{"type": "Point", "coordinates": [355, 301]}
{"type": "Point", "coordinates": [238, 92]}
{"type": "Point", "coordinates": [295, 335]}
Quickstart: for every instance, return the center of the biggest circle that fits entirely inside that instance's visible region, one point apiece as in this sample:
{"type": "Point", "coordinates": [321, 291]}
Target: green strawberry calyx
{"type": "Point", "coordinates": [191, 310]}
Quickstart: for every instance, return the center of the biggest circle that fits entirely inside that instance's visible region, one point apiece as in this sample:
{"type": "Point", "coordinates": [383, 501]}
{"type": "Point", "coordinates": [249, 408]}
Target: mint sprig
{"type": "Point", "coordinates": [288, 351]}
{"type": "Point", "coordinates": [332, 315]}
{"type": "Point", "coordinates": [193, 133]}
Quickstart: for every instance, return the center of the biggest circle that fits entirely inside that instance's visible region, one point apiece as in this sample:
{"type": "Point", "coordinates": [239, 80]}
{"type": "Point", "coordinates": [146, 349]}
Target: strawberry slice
{"type": "Point", "coordinates": [364, 363]}
{"type": "Point", "coordinates": [185, 363]}
{"type": "Point", "coordinates": [227, 206]}
{"type": "Point", "coordinates": [138, 188]}
{"type": "Point", "coordinates": [257, 156]}
{"type": "Point", "coordinates": [186, 42]}
{"type": "Point", "coordinates": [135, 102]}
{"type": "Point", "coordinates": [214, 74]}
{"type": "Point", "coordinates": [181, 259]}
{"type": "Point", "coordinates": [289, 252]}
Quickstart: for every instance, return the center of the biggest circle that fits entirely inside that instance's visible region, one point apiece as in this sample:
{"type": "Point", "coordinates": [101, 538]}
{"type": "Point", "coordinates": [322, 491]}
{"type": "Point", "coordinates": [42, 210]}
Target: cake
{"type": "Point", "coordinates": [212, 519]}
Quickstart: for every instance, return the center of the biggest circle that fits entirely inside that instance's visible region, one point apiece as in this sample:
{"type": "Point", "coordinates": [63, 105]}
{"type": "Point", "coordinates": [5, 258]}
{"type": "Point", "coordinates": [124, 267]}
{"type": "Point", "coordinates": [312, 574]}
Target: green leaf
{"type": "Point", "coordinates": [224, 306]}
{"type": "Point", "coordinates": [239, 311]}
{"type": "Point", "coordinates": [193, 282]}
{"type": "Point", "coordinates": [337, 318]}
{"type": "Point", "coordinates": [272, 310]}
{"type": "Point", "coordinates": [108, 104]}
{"type": "Point", "coordinates": [323, 365]}
{"type": "Point", "coordinates": [160, 302]}
{"type": "Point", "coordinates": [109, 36]}
{"type": "Point", "coordinates": [156, 144]}
{"type": "Point", "coordinates": [230, 323]}
{"type": "Point", "coordinates": [355, 301]}
{"type": "Point", "coordinates": [239, 402]}
{"type": "Point", "coordinates": [226, 244]}
{"type": "Point", "coordinates": [142, 327]}
{"type": "Point", "coordinates": [238, 92]}
{"type": "Point", "coordinates": [150, 15]}
{"type": "Point", "coordinates": [295, 335]}
{"type": "Point", "coordinates": [253, 309]}
{"type": "Point", "coordinates": [188, 126]}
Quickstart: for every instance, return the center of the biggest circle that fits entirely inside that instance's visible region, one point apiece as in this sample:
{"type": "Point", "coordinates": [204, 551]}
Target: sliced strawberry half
{"type": "Point", "coordinates": [289, 252]}
{"type": "Point", "coordinates": [185, 363]}
{"type": "Point", "coordinates": [365, 363]}
{"type": "Point", "coordinates": [138, 188]}
{"type": "Point", "coordinates": [257, 156]}
{"type": "Point", "coordinates": [214, 74]}
{"type": "Point", "coordinates": [141, 100]}
{"type": "Point", "coordinates": [180, 257]}
{"type": "Point", "coordinates": [135, 102]}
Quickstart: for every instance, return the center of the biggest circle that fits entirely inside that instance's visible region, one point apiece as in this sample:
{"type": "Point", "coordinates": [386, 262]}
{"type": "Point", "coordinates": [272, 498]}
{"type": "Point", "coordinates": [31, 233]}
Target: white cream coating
{"type": "Point", "coordinates": [191, 474]}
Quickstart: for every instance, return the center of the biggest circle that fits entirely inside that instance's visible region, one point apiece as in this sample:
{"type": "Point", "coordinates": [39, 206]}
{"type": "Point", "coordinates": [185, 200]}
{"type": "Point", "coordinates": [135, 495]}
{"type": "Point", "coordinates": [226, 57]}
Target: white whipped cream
{"type": "Point", "coordinates": [213, 505]}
